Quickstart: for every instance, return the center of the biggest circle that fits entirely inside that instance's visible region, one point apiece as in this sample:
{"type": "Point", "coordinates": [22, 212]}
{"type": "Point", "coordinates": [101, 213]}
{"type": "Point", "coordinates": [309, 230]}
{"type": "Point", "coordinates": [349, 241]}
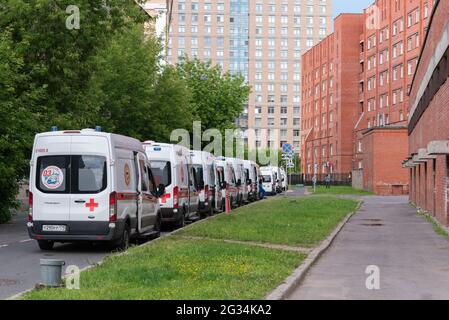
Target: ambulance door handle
{"type": "Point", "coordinates": [80, 201]}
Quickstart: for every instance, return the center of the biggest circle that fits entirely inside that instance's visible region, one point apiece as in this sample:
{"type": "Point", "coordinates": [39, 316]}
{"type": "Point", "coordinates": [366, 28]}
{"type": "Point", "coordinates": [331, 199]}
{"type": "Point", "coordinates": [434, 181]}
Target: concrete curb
{"type": "Point", "coordinates": [295, 279]}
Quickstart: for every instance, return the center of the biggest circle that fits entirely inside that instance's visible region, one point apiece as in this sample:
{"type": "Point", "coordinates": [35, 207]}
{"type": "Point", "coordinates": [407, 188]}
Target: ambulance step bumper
{"type": "Point", "coordinates": [76, 231]}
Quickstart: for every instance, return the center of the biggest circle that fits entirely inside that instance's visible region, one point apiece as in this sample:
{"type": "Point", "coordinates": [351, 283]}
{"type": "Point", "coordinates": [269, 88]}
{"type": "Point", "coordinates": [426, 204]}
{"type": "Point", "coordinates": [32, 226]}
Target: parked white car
{"type": "Point", "coordinates": [172, 167]}
{"type": "Point", "coordinates": [87, 185]}
{"type": "Point", "coordinates": [268, 180]}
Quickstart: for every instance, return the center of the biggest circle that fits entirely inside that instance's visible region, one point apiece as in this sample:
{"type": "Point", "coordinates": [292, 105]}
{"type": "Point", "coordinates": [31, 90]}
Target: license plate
{"type": "Point", "coordinates": [54, 228]}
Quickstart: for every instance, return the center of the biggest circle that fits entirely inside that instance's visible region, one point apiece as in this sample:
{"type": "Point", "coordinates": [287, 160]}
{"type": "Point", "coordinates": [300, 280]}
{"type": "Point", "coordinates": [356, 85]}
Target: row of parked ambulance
{"type": "Point", "coordinates": [88, 185]}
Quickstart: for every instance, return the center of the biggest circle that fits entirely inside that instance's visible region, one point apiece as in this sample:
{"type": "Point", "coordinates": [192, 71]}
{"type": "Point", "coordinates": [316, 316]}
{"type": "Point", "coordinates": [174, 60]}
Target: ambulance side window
{"type": "Point", "coordinates": [152, 185]}
{"type": "Point", "coordinates": [143, 176]}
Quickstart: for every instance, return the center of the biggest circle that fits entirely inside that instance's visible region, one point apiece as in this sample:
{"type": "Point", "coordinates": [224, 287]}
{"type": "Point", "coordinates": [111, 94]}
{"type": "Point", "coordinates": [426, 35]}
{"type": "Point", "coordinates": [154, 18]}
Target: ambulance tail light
{"type": "Point", "coordinates": [113, 207]}
{"type": "Point", "coordinates": [175, 197]}
{"type": "Point", "coordinates": [206, 191]}
{"type": "Point", "coordinates": [30, 202]}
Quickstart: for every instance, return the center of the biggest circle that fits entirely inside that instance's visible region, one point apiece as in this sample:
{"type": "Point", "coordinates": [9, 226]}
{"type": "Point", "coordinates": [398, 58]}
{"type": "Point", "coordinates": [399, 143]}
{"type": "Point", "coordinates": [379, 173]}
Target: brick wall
{"type": "Point", "coordinates": [431, 188]}
{"type": "Point", "coordinates": [384, 150]}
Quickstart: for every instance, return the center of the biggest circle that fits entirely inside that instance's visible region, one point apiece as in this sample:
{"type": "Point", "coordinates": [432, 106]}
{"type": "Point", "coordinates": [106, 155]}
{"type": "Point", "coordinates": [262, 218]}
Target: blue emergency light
{"type": "Point", "coordinates": [98, 128]}
{"type": "Point", "coordinates": [54, 129]}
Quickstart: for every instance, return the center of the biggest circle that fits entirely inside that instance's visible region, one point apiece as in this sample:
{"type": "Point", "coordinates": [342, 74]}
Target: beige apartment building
{"type": "Point", "coordinates": [263, 40]}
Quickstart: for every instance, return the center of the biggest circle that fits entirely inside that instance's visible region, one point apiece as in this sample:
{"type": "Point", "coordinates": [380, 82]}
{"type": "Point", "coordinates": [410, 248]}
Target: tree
{"type": "Point", "coordinates": [18, 124]}
{"type": "Point", "coordinates": [217, 98]}
{"type": "Point", "coordinates": [135, 95]}
{"type": "Point", "coordinates": [59, 60]}
{"type": "Point", "coordinates": [44, 74]}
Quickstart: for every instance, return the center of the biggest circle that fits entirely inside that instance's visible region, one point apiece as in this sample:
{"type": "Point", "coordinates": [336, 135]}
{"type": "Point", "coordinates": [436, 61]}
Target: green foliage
{"type": "Point", "coordinates": [135, 95]}
{"type": "Point", "coordinates": [106, 73]}
{"type": "Point", "coordinates": [44, 74]}
{"type": "Point", "coordinates": [217, 99]}
{"type": "Point", "coordinates": [17, 124]}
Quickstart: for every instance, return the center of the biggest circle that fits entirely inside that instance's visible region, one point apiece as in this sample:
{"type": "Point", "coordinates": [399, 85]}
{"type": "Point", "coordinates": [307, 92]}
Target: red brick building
{"type": "Point", "coordinates": [389, 49]}
{"type": "Point", "coordinates": [381, 51]}
{"type": "Point", "coordinates": [428, 161]}
{"type": "Point", "coordinates": [329, 71]}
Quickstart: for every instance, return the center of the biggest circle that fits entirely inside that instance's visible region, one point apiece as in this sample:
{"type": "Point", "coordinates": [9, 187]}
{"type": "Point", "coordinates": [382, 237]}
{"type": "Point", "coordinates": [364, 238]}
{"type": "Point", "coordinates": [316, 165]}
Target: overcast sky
{"type": "Point", "coordinates": [350, 6]}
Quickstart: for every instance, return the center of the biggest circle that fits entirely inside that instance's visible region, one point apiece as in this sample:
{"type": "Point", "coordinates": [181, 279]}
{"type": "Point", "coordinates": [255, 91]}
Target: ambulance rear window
{"type": "Point", "coordinates": [71, 174]}
{"type": "Point", "coordinates": [266, 178]}
{"type": "Point", "coordinates": [52, 174]}
{"type": "Point", "coordinates": [161, 172]}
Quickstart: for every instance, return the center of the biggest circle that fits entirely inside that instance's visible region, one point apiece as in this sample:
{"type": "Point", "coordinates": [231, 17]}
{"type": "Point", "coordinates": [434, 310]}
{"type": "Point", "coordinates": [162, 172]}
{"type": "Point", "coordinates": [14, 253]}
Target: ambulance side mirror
{"type": "Point", "coordinates": [160, 190]}
{"type": "Point", "coordinates": [249, 181]}
{"type": "Point", "coordinates": [223, 185]}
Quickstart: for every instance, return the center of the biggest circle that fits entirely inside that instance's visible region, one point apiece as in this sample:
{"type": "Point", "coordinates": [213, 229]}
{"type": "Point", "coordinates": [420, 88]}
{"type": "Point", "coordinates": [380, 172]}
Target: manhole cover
{"type": "Point", "coordinates": [372, 224]}
{"type": "Point", "coordinates": [8, 282]}
{"type": "Point", "coordinates": [372, 220]}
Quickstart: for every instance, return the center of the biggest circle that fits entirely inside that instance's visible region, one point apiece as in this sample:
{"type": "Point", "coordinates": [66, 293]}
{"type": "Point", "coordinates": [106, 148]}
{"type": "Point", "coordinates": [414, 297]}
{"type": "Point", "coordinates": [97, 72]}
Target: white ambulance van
{"type": "Point", "coordinates": [252, 172]}
{"type": "Point", "coordinates": [89, 185]}
{"type": "Point", "coordinates": [172, 167]}
{"type": "Point", "coordinates": [227, 181]}
{"type": "Point", "coordinates": [203, 164]}
{"type": "Point", "coordinates": [241, 179]}
{"type": "Point", "coordinates": [268, 180]}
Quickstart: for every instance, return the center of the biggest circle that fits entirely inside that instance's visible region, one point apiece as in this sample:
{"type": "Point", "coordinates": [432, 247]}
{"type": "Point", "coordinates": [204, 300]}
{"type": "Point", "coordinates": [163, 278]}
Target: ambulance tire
{"type": "Point", "coordinates": [46, 245]}
{"type": "Point", "coordinates": [158, 225]}
{"type": "Point", "coordinates": [181, 221]}
{"type": "Point", "coordinates": [122, 243]}
{"type": "Point", "coordinates": [211, 208]}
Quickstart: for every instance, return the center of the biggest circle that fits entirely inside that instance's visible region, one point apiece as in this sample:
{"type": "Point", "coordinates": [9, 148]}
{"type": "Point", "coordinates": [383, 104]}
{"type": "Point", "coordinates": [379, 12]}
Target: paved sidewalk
{"type": "Point", "coordinates": [413, 259]}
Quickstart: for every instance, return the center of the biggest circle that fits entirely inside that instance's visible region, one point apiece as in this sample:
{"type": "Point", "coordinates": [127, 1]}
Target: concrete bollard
{"type": "Point", "coordinates": [51, 272]}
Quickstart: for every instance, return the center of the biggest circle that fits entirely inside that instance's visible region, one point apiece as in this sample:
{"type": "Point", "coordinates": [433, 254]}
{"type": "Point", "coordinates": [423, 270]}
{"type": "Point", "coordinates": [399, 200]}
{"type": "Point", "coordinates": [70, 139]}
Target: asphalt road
{"type": "Point", "coordinates": [20, 256]}
{"type": "Point", "coordinates": [412, 260]}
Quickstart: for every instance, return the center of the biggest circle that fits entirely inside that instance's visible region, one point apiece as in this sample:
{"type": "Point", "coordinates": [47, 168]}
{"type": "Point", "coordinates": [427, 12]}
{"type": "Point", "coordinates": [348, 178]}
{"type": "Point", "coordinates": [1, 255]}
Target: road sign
{"type": "Point", "coordinates": [287, 148]}
{"type": "Point", "coordinates": [286, 156]}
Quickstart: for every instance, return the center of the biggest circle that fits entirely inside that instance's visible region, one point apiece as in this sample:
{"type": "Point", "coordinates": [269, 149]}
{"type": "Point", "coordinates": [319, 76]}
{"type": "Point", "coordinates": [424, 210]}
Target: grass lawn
{"type": "Point", "coordinates": [177, 268]}
{"type": "Point", "coordinates": [291, 221]}
{"type": "Point", "coordinates": [336, 190]}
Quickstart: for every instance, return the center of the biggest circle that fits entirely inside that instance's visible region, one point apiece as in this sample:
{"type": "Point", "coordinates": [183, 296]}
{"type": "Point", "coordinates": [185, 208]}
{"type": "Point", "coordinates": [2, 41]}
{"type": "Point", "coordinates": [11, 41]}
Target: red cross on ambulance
{"type": "Point", "coordinates": [92, 205]}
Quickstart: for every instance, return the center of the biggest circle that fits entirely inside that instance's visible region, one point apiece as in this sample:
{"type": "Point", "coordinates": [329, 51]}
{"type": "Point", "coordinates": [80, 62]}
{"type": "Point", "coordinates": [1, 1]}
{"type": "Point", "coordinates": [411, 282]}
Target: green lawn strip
{"type": "Point", "coordinates": [176, 268]}
{"type": "Point", "coordinates": [338, 190]}
{"type": "Point", "coordinates": [303, 222]}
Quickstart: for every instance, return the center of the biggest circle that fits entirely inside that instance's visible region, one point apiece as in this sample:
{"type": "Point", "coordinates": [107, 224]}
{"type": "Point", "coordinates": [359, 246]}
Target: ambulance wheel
{"type": "Point", "coordinates": [211, 209]}
{"type": "Point", "coordinates": [46, 245]}
{"type": "Point", "coordinates": [181, 221]}
{"type": "Point", "coordinates": [158, 225]}
{"type": "Point", "coordinates": [122, 243]}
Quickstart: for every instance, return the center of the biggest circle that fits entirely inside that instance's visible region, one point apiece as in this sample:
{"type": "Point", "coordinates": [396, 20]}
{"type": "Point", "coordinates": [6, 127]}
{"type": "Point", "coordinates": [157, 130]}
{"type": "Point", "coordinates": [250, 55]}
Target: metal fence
{"type": "Point", "coordinates": [337, 179]}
